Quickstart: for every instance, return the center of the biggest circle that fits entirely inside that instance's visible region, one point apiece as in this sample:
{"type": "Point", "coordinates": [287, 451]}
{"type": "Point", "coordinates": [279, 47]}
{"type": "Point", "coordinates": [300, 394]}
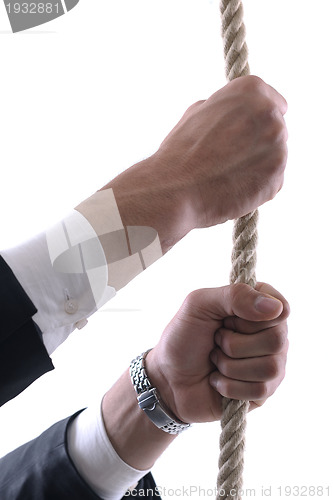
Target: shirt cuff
{"type": "Point", "coordinates": [75, 267]}
{"type": "Point", "coordinates": [95, 458]}
{"type": "Point", "coordinates": [64, 272]}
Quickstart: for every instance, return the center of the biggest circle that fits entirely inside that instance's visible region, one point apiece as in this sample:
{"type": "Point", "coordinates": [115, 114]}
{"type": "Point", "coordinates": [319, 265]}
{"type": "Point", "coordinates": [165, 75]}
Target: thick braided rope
{"type": "Point", "coordinates": [233, 421]}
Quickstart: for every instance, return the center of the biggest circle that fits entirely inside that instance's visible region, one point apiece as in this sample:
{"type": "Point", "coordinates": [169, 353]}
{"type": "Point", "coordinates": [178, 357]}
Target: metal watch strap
{"type": "Point", "coordinates": [149, 400]}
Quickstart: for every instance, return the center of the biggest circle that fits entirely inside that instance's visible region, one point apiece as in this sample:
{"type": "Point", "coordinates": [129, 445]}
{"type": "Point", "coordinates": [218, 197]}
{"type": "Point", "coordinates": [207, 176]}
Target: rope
{"type": "Point", "coordinates": [233, 421]}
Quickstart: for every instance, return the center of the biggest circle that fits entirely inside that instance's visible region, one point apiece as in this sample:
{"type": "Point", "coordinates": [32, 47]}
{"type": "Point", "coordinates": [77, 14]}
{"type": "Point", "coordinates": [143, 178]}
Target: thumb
{"type": "Point", "coordinates": [234, 300]}
{"type": "Point", "coordinates": [254, 305]}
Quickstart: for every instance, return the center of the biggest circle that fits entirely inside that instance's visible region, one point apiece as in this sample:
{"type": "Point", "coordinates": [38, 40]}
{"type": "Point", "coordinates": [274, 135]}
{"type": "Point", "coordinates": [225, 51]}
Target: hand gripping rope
{"type": "Point", "coordinates": [233, 421]}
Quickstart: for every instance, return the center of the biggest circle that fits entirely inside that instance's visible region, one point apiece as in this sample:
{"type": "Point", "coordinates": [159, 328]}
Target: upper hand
{"type": "Point", "coordinates": [227, 155]}
{"type": "Point", "coordinates": [220, 344]}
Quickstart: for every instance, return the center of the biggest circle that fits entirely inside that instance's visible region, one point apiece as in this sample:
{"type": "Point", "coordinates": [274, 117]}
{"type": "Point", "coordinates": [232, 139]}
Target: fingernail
{"type": "Point", "coordinates": [267, 305]}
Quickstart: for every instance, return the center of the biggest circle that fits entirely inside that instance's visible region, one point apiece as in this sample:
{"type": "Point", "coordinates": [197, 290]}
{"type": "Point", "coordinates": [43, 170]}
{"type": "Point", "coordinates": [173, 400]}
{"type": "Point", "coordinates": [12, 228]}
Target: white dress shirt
{"type": "Point", "coordinates": [65, 273]}
{"type": "Point", "coordinates": [63, 297]}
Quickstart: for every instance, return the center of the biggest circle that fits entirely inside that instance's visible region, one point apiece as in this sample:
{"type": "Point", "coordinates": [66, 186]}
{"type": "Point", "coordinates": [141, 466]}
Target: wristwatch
{"type": "Point", "coordinates": [149, 400]}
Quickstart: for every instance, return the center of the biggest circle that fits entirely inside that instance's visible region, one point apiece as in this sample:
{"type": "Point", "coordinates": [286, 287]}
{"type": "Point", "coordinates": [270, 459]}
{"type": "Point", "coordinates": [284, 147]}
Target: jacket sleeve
{"type": "Point", "coordinates": [43, 470]}
{"type": "Point", "coordinates": [23, 356]}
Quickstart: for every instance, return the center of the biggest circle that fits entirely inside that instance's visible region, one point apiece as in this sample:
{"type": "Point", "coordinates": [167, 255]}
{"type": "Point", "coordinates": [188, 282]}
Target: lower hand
{"type": "Point", "coordinates": [224, 341]}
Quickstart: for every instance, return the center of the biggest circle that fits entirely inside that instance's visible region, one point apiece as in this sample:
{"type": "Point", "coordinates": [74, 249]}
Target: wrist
{"type": "Point", "coordinates": [150, 401]}
{"type": "Point", "coordinates": [147, 196]}
{"type": "Point", "coordinates": [161, 382]}
{"type": "Point", "coordinates": [137, 441]}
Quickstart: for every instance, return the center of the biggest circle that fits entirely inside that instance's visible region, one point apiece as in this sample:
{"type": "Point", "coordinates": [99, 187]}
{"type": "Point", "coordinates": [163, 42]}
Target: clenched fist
{"type": "Point", "coordinates": [224, 158]}
{"type": "Point", "coordinates": [227, 154]}
{"type": "Point", "coordinates": [229, 341]}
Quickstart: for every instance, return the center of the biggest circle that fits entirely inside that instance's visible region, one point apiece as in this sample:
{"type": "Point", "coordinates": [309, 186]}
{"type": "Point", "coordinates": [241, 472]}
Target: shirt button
{"type": "Point", "coordinates": [71, 306]}
{"type": "Point", "coordinates": [80, 324]}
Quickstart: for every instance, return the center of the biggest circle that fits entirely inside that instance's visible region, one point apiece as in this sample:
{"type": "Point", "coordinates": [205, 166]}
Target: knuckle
{"type": "Point", "coordinates": [284, 359]}
{"type": "Point", "coordinates": [272, 123]}
{"type": "Point", "coordinates": [193, 297]}
{"type": "Point", "coordinates": [277, 162]}
{"type": "Point", "coordinates": [260, 391]}
{"type": "Point", "coordinates": [239, 290]}
{"type": "Point", "coordinates": [229, 347]}
{"type": "Point", "coordinates": [253, 83]}
{"type": "Point", "coordinates": [191, 302]}
{"type": "Point", "coordinates": [194, 106]}
{"type": "Point", "coordinates": [279, 132]}
{"type": "Point", "coordinates": [227, 369]}
{"type": "Point", "coordinates": [272, 368]}
{"type": "Point", "coordinates": [282, 374]}
{"type": "Point", "coordinates": [227, 389]}
{"type": "Point", "coordinates": [286, 311]}
{"type": "Point", "coordinates": [276, 340]}
{"type": "Point", "coordinates": [286, 349]}
{"type": "Point", "coordinates": [280, 157]}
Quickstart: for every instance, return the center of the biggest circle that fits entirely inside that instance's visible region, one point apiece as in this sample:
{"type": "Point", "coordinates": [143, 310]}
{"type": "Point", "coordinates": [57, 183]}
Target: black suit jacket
{"type": "Point", "coordinates": [23, 357]}
{"type": "Point", "coordinates": [42, 468]}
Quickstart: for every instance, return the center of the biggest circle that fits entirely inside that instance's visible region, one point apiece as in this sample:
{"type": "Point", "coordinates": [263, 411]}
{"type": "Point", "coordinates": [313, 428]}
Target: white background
{"type": "Point", "coordinates": [89, 94]}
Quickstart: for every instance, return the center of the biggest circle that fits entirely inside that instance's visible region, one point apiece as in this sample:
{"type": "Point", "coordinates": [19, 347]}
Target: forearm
{"type": "Point", "coordinates": [99, 248]}
{"type": "Point", "coordinates": [147, 196]}
{"type": "Point", "coordinates": [135, 438]}
{"type": "Point", "coordinates": [115, 444]}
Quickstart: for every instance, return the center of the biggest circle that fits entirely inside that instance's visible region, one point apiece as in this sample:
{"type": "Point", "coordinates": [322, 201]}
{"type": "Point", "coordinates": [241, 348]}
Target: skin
{"type": "Point", "coordinates": [222, 342]}
{"type": "Point", "coordinates": [224, 158]}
